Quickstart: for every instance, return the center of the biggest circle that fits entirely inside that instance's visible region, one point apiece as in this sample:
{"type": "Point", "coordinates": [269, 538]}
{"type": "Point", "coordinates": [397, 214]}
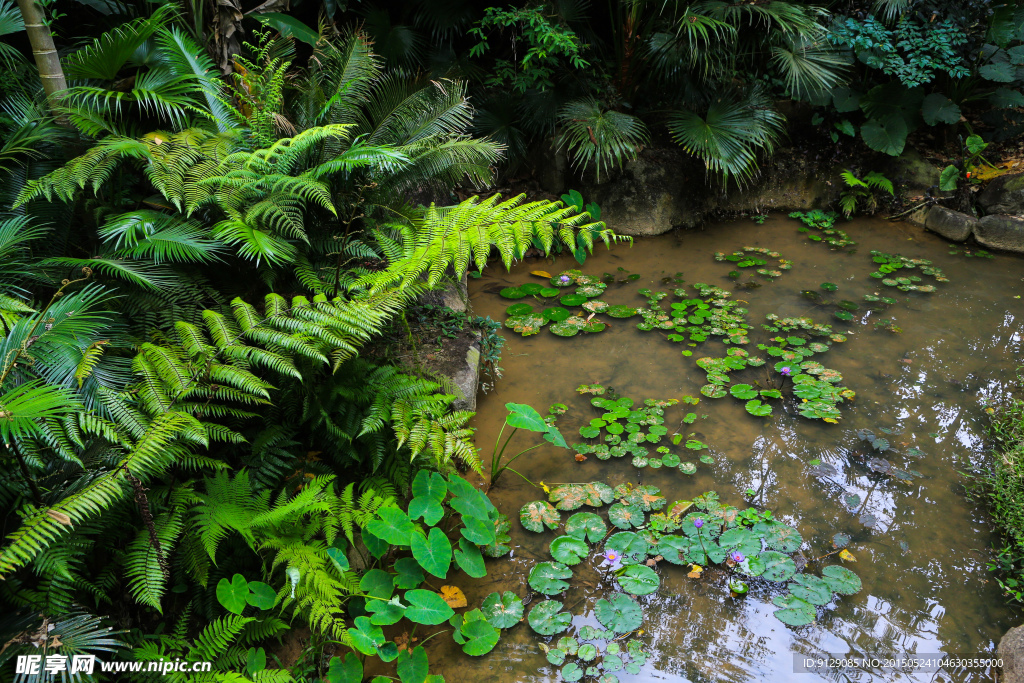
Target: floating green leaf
{"type": "Point", "coordinates": [548, 578]}
{"type": "Point", "coordinates": [638, 579]}
{"type": "Point", "coordinates": [519, 309]}
{"type": "Point", "coordinates": [503, 610]}
{"type": "Point", "coordinates": [547, 619]}
{"type": "Point", "coordinates": [569, 550]}
{"type": "Point", "coordinates": [586, 526]}
{"type": "Point", "coordinates": [481, 636]}
{"type": "Point", "coordinates": [626, 516]}
{"type": "Point", "coordinates": [744, 392]}
{"type": "Point", "coordinates": [811, 588]}
{"type": "Point", "coordinates": [572, 672]}
{"type": "Point", "coordinates": [777, 566]}
{"type": "Point", "coordinates": [621, 311]}
{"type": "Point", "coordinates": [539, 514]}
{"type": "Point", "coordinates": [779, 536]}
{"type": "Point", "coordinates": [512, 293]}
{"type": "Point", "coordinates": [841, 580]}
{"type": "Point", "coordinates": [631, 547]}
{"type": "Point", "coordinates": [620, 613]}
{"type": "Point", "coordinates": [794, 612]}
{"type": "Point", "coordinates": [757, 408]}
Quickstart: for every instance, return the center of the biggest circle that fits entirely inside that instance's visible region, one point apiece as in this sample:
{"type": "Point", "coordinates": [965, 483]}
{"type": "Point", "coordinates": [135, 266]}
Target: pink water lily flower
{"type": "Point", "coordinates": [737, 556]}
{"type": "Point", "coordinates": [785, 371]}
{"type": "Point", "coordinates": [564, 278]}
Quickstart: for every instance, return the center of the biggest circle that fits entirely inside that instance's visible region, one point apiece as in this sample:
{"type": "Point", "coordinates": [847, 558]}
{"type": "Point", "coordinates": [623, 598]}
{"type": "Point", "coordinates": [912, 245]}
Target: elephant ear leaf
{"type": "Point", "coordinates": [232, 595]}
{"type": "Point", "coordinates": [522, 416]}
{"type": "Point", "coordinates": [888, 136]}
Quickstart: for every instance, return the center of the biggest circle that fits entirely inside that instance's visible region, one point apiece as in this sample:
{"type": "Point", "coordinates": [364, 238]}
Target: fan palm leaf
{"type": "Point", "coordinates": [599, 137]}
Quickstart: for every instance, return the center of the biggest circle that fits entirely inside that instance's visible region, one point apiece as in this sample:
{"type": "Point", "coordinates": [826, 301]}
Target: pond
{"type": "Point", "coordinates": [920, 545]}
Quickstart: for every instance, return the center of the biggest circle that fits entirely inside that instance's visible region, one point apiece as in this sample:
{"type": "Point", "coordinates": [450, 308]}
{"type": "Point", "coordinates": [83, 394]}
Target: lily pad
{"type": "Point", "coordinates": [547, 619]}
{"type": "Point", "coordinates": [568, 496]}
{"type": "Point", "coordinates": [744, 392]}
{"type": "Point", "coordinates": [688, 468]}
{"type": "Point", "coordinates": [569, 550]}
{"type": "Point", "coordinates": [572, 672]}
{"type": "Point", "coordinates": [548, 292]}
{"type": "Point", "coordinates": [670, 460]}
{"type": "Point", "coordinates": [586, 526]}
{"type": "Point", "coordinates": [539, 514]}
{"type": "Point", "coordinates": [758, 409]}
{"type": "Point", "coordinates": [620, 311]}
{"type": "Point", "coordinates": [811, 588]}
{"type": "Point", "coordinates": [519, 309]}
{"type": "Point", "coordinates": [512, 293]}
{"type": "Point", "coordinates": [572, 300]}
{"type": "Point", "coordinates": [502, 610]}
{"type": "Point", "coordinates": [713, 391]}
{"type": "Point", "coordinates": [779, 536]}
{"type": "Point", "coordinates": [548, 578]}
{"type": "Point", "coordinates": [564, 329]}
{"type": "Point", "coordinates": [620, 613]}
{"type": "Point", "coordinates": [841, 580]}
{"type": "Point", "coordinates": [555, 313]}
{"type": "Point", "coordinates": [794, 612]}
{"type": "Point", "coordinates": [638, 579]}
{"type": "Point", "coordinates": [626, 516]}
{"type": "Point", "coordinates": [777, 566]}
{"type": "Point", "coordinates": [632, 548]}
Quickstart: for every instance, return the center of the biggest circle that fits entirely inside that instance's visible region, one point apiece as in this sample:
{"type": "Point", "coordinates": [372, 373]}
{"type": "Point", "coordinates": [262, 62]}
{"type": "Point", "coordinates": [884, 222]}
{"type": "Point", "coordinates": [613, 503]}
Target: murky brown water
{"type": "Point", "coordinates": [923, 564]}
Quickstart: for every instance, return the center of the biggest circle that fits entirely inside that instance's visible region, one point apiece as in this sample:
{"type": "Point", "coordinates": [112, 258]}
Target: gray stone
{"type": "Point", "coordinates": [952, 225]}
{"type": "Point", "coordinates": [913, 172]}
{"type": "Point", "coordinates": [1011, 649]}
{"type": "Point", "coordinates": [467, 379]}
{"type": "Point", "coordinates": [1001, 232]}
{"type": "Point", "coordinates": [1004, 195]}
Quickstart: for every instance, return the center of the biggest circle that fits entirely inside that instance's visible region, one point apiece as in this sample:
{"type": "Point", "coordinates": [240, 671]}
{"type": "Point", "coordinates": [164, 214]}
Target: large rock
{"type": "Point", "coordinates": [1011, 649]}
{"type": "Point", "coordinates": [952, 225]}
{"type": "Point", "coordinates": [913, 172]}
{"type": "Point", "coordinates": [1004, 195]}
{"type": "Point", "coordinates": [1001, 232]}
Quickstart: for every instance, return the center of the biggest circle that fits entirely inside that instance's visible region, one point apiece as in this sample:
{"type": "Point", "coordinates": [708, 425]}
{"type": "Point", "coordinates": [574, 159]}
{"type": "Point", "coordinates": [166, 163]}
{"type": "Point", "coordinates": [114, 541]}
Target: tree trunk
{"type": "Point", "coordinates": [47, 61]}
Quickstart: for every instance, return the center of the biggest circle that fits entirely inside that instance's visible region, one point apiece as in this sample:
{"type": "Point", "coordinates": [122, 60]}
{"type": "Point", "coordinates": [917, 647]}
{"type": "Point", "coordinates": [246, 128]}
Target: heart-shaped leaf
{"type": "Point", "coordinates": [620, 613]}
{"type": "Point", "coordinates": [414, 667]}
{"type": "Point", "coordinates": [233, 594]}
{"type": "Point", "coordinates": [262, 595]}
{"type": "Point", "coordinates": [626, 516]}
{"type": "Point", "coordinates": [813, 589]}
{"type": "Point", "coordinates": [377, 583]}
{"type": "Point", "coordinates": [427, 607]}
{"type": "Point", "coordinates": [777, 566]}
{"type": "Point", "coordinates": [547, 619]}
{"type": "Point", "coordinates": [503, 610]}
{"type": "Point", "coordinates": [523, 416]}
{"type": "Point", "coordinates": [433, 552]}
{"type": "Point", "coordinates": [392, 526]}
{"type": "Point", "coordinates": [480, 635]}
{"type": "Point", "coordinates": [569, 550]}
{"type": "Point", "coordinates": [547, 578]}
{"type": "Point", "coordinates": [366, 636]}
{"type": "Point", "coordinates": [638, 579]}
{"type": "Point", "coordinates": [348, 670]}
{"type": "Point", "coordinates": [429, 485]}
{"type": "Point", "coordinates": [841, 580]}
{"type": "Point", "coordinates": [427, 508]}
{"type": "Point", "coordinates": [409, 573]}
{"type": "Point", "coordinates": [631, 547]}
{"type": "Point", "coordinates": [794, 612]}
{"type": "Point", "coordinates": [539, 514]}
{"type": "Point", "coordinates": [586, 526]}
{"type": "Point", "coordinates": [469, 559]}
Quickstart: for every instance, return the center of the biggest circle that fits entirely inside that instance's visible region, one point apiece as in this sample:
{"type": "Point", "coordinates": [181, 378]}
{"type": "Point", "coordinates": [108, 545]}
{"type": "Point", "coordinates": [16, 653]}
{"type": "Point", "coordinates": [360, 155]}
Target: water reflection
{"type": "Point", "coordinates": [920, 545]}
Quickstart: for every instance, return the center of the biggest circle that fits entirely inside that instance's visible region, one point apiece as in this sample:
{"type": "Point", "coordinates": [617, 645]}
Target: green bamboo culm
{"type": "Point", "coordinates": [47, 61]}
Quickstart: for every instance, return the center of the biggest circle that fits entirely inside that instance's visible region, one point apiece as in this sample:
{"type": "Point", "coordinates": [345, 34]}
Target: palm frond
{"type": "Point", "coordinates": [599, 137]}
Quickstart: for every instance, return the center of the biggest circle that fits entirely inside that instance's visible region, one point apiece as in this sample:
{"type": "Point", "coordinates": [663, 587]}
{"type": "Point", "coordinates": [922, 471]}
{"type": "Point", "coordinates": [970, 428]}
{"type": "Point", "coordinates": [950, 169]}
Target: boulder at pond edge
{"type": "Point", "coordinates": [1004, 195]}
{"type": "Point", "coordinates": [1001, 232]}
{"type": "Point", "coordinates": [952, 225]}
{"type": "Point", "coordinates": [1011, 650]}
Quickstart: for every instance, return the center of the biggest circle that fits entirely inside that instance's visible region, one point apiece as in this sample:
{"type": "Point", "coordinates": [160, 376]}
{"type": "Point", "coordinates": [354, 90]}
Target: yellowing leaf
{"type": "Point", "coordinates": [58, 517]}
{"type": "Point", "coordinates": [545, 487]}
{"type": "Point", "coordinates": [541, 273]}
{"type": "Point", "coordinates": [454, 596]}
{"type": "Point", "coordinates": [696, 572]}
{"type": "Point", "coordinates": [847, 555]}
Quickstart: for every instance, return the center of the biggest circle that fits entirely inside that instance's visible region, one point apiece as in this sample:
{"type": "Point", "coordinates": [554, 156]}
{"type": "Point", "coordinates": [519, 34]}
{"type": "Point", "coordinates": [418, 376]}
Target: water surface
{"type": "Point", "coordinates": [923, 562]}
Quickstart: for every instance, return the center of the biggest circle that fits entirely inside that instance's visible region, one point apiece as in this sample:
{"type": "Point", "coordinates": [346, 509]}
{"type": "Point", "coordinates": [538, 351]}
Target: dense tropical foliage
{"type": "Point", "coordinates": [209, 212]}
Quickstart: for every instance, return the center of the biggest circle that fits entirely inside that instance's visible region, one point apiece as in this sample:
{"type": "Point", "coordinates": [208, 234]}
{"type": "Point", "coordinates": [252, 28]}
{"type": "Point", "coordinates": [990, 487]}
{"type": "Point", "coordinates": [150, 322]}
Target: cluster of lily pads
{"type": "Point", "coordinates": [823, 221]}
{"type": "Point", "coordinates": [751, 257]}
{"type": "Point", "coordinates": [752, 546]}
{"type": "Point", "coordinates": [526, 320]}
{"type": "Point", "coordinates": [696, 319]}
{"type": "Point", "coordinates": [629, 427]}
{"type": "Point", "coordinates": [890, 264]}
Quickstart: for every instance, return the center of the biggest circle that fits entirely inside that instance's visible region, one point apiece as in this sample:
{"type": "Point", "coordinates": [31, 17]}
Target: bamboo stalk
{"type": "Point", "coordinates": [47, 60]}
